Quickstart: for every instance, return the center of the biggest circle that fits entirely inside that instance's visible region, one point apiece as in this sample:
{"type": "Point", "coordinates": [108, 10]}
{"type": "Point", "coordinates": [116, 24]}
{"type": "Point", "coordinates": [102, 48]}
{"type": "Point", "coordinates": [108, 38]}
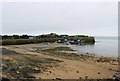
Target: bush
{"type": "Point", "coordinates": [89, 40]}
{"type": "Point", "coordinates": [26, 41]}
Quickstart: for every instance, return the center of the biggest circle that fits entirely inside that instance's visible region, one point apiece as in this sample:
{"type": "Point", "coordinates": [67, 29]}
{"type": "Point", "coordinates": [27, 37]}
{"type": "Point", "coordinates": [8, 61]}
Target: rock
{"type": "Point", "coordinates": [50, 71]}
{"type": "Point", "coordinates": [20, 67]}
{"type": "Point", "coordinates": [114, 63]}
{"type": "Point", "coordinates": [5, 79]}
{"type": "Point", "coordinates": [116, 76]}
{"type": "Point", "coordinates": [77, 71]}
{"type": "Point", "coordinates": [58, 78]}
{"type": "Point", "coordinates": [36, 68]}
{"type": "Point", "coordinates": [31, 76]}
{"type": "Point", "coordinates": [13, 69]}
{"type": "Point", "coordinates": [99, 73]}
{"type": "Point", "coordinates": [80, 77]}
{"type": "Point", "coordinates": [17, 72]}
{"type": "Point", "coordinates": [86, 77]}
{"type": "Point", "coordinates": [47, 74]}
{"type": "Point", "coordinates": [14, 61]}
{"type": "Point", "coordinates": [110, 69]}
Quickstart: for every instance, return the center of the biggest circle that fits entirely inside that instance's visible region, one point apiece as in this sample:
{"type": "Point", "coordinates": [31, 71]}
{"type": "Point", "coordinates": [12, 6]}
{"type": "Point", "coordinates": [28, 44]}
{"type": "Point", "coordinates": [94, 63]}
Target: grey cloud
{"type": "Point", "coordinates": [92, 18]}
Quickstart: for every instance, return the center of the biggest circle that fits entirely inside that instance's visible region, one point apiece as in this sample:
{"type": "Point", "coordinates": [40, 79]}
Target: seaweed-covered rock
{"type": "Point", "coordinates": [5, 79]}
{"type": "Point", "coordinates": [6, 51]}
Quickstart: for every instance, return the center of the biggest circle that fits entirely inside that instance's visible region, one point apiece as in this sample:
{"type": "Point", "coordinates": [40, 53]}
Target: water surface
{"type": "Point", "coordinates": [104, 46]}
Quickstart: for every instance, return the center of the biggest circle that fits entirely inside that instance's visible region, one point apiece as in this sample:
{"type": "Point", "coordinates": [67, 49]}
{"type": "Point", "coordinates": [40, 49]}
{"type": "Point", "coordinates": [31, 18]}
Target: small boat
{"type": "Point", "coordinates": [78, 42]}
{"type": "Point", "coordinates": [66, 43]}
{"type": "Point", "coordinates": [73, 43]}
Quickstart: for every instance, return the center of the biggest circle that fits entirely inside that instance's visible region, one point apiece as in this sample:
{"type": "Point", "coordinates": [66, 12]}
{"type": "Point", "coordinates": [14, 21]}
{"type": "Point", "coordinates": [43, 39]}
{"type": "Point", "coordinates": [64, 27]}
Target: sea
{"type": "Point", "coordinates": [104, 46]}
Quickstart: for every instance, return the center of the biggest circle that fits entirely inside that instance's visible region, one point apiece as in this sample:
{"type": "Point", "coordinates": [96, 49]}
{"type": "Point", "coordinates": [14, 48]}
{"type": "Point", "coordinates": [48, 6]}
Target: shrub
{"type": "Point", "coordinates": [26, 41]}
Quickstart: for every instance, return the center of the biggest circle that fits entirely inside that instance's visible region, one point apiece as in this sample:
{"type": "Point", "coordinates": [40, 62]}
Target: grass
{"type": "Point", "coordinates": [88, 40]}
{"type": "Point", "coordinates": [26, 41]}
{"type": "Point", "coordinates": [59, 49]}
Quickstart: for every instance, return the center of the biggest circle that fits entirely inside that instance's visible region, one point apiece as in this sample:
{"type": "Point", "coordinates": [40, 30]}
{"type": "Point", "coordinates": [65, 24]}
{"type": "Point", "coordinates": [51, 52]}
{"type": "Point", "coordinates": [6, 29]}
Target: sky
{"type": "Point", "coordinates": [35, 18]}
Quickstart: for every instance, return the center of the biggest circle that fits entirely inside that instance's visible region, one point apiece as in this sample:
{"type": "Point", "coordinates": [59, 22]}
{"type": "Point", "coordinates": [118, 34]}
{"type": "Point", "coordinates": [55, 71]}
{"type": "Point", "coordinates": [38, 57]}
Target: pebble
{"type": "Point", "coordinates": [36, 68]}
{"type": "Point", "coordinates": [5, 79]}
{"type": "Point", "coordinates": [17, 72]}
{"type": "Point", "coordinates": [31, 76]}
{"type": "Point", "coordinates": [99, 73]}
{"type": "Point", "coordinates": [47, 73]}
{"type": "Point", "coordinates": [77, 71]}
{"type": "Point", "coordinates": [80, 77]}
{"type": "Point", "coordinates": [20, 67]}
{"type": "Point", "coordinates": [116, 76]}
{"type": "Point", "coordinates": [50, 71]}
{"type": "Point", "coordinates": [109, 69]}
{"type": "Point", "coordinates": [86, 77]}
{"type": "Point", "coordinates": [58, 78]}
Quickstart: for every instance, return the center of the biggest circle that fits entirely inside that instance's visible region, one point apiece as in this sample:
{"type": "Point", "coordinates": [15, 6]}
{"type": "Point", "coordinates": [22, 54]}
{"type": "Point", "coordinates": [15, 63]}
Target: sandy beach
{"type": "Point", "coordinates": [51, 64]}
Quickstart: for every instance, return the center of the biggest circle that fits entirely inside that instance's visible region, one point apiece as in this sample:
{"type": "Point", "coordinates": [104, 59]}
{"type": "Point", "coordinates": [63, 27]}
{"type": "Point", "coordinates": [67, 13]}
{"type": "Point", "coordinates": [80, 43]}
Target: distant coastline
{"type": "Point", "coordinates": [52, 37]}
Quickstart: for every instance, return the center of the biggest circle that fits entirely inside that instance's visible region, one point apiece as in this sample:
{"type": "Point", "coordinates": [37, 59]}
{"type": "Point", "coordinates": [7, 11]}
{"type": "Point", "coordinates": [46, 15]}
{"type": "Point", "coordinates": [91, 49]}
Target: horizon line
{"type": "Point", "coordinates": [61, 34]}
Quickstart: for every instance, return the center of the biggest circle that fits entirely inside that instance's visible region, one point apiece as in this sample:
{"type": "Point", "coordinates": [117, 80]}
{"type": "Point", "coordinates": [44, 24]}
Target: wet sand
{"type": "Point", "coordinates": [56, 67]}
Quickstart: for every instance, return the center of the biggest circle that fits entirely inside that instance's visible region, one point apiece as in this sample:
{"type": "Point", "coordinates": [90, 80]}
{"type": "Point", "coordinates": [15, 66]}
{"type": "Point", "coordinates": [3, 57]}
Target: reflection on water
{"type": "Point", "coordinates": [107, 46]}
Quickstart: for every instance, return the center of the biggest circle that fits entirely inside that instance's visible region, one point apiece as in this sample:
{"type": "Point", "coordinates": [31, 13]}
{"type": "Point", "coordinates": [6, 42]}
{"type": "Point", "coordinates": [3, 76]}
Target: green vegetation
{"type": "Point", "coordinates": [25, 41]}
{"type": "Point", "coordinates": [59, 49]}
{"type": "Point", "coordinates": [63, 52]}
{"type": "Point", "coordinates": [52, 37]}
{"type": "Point", "coordinates": [57, 52]}
{"type": "Point", "coordinates": [6, 51]}
{"type": "Point", "coordinates": [89, 40]}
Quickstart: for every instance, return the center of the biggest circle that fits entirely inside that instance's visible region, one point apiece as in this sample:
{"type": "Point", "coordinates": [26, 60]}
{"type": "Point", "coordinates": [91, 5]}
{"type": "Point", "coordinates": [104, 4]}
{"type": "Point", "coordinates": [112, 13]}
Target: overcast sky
{"type": "Point", "coordinates": [34, 18]}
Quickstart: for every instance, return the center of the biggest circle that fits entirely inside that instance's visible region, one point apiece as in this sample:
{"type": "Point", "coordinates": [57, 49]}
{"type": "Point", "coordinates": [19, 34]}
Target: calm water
{"type": "Point", "coordinates": [104, 46]}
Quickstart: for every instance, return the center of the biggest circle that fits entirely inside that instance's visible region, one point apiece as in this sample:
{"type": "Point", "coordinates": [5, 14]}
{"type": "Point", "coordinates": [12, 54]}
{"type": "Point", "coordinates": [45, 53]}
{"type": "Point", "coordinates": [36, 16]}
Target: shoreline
{"type": "Point", "coordinates": [53, 45]}
{"type": "Point", "coordinates": [58, 45]}
{"type": "Point", "coordinates": [69, 54]}
{"type": "Point", "coordinates": [57, 63]}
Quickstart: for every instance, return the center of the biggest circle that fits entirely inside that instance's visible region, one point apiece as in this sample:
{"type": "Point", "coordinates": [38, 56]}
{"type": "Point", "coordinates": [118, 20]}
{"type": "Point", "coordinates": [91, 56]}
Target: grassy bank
{"type": "Point", "coordinates": [25, 41]}
{"type": "Point", "coordinates": [58, 49]}
{"type": "Point", "coordinates": [88, 40]}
